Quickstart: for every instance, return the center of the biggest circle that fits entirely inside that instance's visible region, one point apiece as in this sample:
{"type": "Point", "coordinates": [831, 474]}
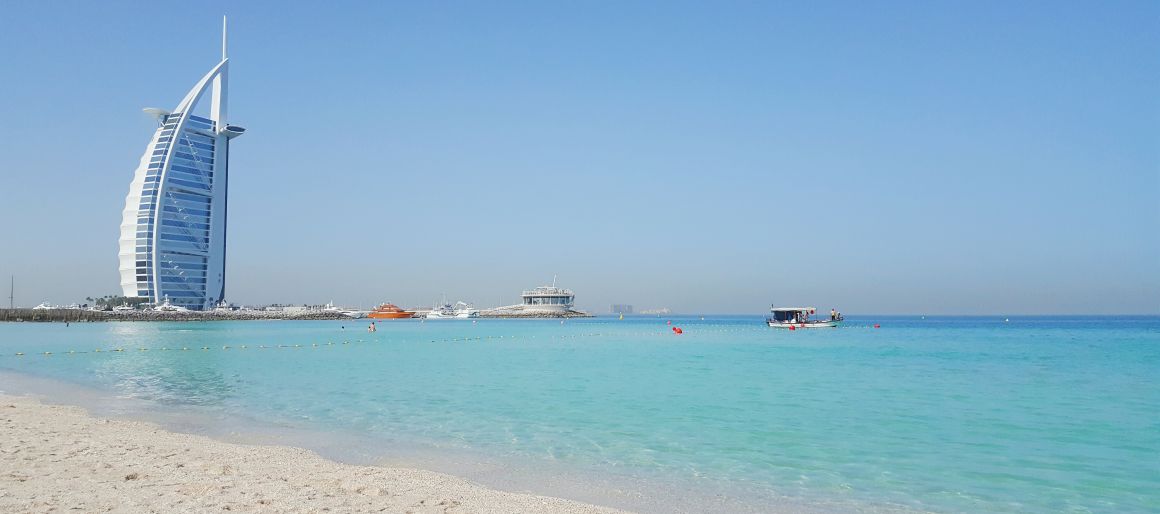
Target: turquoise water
{"type": "Point", "coordinates": [940, 414]}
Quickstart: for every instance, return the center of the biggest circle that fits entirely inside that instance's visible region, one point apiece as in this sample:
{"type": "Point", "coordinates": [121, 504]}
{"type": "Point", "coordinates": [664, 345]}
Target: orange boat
{"type": "Point", "coordinates": [389, 311]}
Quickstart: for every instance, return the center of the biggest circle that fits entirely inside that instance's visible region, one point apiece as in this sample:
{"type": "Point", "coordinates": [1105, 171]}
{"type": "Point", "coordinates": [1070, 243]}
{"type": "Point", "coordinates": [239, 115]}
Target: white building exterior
{"type": "Point", "coordinates": [173, 228]}
{"type": "Point", "coordinates": [548, 299]}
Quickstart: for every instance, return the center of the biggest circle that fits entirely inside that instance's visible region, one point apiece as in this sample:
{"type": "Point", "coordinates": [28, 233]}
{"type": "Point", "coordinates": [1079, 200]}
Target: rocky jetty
{"type": "Point", "coordinates": [79, 315]}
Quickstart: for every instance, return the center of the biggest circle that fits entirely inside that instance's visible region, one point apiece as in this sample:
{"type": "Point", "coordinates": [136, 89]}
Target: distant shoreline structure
{"type": "Point", "coordinates": [508, 313]}
{"type": "Point", "coordinates": [541, 302]}
{"type": "Point", "coordinates": [82, 315]}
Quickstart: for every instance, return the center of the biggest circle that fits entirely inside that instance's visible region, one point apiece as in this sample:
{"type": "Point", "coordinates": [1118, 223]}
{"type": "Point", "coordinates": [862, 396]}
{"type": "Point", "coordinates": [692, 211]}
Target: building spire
{"type": "Point", "coordinates": [223, 37]}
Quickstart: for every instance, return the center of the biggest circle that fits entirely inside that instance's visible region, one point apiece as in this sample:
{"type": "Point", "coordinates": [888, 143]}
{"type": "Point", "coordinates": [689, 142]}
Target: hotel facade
{"type": "Point", "coordinates": [173, 227]}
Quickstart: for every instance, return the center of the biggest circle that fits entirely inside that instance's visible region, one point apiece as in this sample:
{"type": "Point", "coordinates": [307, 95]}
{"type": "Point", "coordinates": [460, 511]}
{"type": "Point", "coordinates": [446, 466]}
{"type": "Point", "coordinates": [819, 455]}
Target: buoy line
{"type": "Point", "coordinates": [329, 344]}
{"type": "Point", "coordinates": [206, 348]}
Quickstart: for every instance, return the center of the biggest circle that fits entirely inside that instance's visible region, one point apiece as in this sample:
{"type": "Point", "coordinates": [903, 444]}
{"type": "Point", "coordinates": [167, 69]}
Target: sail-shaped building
{"type": "Point", "coordinates": [173, 228]}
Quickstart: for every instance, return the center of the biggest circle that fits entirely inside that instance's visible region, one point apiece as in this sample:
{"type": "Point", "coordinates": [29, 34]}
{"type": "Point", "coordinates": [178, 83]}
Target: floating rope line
{"type": "Point", "coordinates": [264, 347]}
{"type": "Point", "coordinates": [330, 344]}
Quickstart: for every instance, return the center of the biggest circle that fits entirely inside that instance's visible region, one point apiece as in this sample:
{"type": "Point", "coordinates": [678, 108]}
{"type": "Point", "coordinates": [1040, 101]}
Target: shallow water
{"type": "Point", "coordinates": [942, 414]}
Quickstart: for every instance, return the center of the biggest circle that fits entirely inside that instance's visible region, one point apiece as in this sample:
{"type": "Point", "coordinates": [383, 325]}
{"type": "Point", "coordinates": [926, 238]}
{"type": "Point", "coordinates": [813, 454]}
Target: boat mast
{"type": "Point", "coordinates": [12, 292]}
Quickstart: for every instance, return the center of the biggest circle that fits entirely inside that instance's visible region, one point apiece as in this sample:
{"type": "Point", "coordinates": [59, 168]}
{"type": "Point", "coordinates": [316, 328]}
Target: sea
{"type": "Point", "coordinates": [884, 414]}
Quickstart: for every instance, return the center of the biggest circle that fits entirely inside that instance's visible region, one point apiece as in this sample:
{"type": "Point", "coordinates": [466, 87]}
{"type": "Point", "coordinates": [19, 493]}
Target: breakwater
{"type": "Point", "coordinates": [81, 315]}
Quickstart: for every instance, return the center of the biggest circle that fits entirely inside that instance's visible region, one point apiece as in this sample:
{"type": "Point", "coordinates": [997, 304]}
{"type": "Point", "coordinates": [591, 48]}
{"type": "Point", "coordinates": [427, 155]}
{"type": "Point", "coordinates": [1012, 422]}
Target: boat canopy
{"type": "Point", "coordinates": [792, 314]}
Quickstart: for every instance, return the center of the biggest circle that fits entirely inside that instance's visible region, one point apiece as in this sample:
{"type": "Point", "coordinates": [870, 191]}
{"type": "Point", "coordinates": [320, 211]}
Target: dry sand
{"type": "Point", "coordinates": [60, 459]}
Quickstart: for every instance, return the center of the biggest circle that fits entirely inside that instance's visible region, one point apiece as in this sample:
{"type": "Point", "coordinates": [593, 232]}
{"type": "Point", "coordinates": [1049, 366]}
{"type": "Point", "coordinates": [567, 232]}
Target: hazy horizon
{"type": "Point", "coordinates": [984, 158]}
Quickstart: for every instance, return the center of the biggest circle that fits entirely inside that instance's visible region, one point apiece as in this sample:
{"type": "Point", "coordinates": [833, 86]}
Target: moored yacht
{"type": "Point", "coordinates": [167, 306]}
{"type": "Point", "coordinates": [390, 311]}
{"type": "Point", "coordinates": [460, 310]}
{"type": "Point", "coordinates": [350, 313]}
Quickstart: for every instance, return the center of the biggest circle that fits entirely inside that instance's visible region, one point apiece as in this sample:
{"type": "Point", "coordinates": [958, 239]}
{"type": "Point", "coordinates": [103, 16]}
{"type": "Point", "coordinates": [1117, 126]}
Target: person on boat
{"type": "Point", "coordinates": [833, 315]}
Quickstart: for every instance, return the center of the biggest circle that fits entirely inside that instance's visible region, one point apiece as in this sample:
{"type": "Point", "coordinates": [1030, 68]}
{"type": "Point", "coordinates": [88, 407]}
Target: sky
{"type": "Point", "coordinates": [945, 157]}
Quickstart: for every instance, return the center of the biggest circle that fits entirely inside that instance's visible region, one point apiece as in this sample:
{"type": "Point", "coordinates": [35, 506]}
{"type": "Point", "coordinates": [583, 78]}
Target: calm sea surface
{"type": "Point", "coordinates": [939, 414]}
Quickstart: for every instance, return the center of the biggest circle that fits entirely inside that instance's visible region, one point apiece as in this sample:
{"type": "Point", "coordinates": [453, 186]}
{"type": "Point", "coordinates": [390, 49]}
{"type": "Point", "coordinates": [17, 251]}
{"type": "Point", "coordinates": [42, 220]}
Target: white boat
{"type": "Point", "coordinates": [44, 307]}
{"type": "Point", "coordinates": [465, 310]}
{"type": "Point", "coordinates": [123, 308]}
{"type": "Point", "coordinates": [460, 310]}
{"type": "Point", "coordinates": [166, 306]}
{"type": "Point", "coordinates": [350, 313]}
{"type": "Point", "coordinates": [445, 311]}
{"type": "Point", "coordinates": [794, 318]}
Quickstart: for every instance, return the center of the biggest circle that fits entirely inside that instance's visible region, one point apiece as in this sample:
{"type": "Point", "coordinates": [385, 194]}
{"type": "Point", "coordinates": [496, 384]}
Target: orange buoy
{"type": "Point", "coordinates": [791, 327]}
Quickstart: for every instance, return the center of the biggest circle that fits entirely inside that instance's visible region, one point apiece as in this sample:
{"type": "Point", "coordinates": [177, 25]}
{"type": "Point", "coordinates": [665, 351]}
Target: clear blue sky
{"type": "Point", "coordinates": [912, 157]}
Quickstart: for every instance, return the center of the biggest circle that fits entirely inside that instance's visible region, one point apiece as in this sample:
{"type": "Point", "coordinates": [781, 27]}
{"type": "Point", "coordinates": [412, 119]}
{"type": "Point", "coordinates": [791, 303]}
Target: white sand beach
{"type": "Point", "coordinates": [61, 459]}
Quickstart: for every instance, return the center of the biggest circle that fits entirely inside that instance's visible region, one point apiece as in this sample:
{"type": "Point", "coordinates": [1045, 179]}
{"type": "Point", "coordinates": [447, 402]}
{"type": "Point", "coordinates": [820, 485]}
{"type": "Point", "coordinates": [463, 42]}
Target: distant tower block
{"type": "Point", "coordinates": [620, 308]}
{"type": "Point", "coordinates": [173, 228]}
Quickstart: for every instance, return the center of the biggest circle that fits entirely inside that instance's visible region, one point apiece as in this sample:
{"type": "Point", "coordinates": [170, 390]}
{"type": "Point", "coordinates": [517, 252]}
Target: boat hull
{"type": "Point", "coordinates": [458, 315]}
{"type": "Point", "coordinates": [808, 324]}
{"type": "Point", "coordinates": [390, 315]}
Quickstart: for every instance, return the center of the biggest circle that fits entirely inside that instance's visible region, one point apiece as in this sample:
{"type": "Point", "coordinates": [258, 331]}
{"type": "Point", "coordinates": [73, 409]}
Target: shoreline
{"type": "Point", "coordinates": [65, 457]}
{"type": "Point", "coordinates": [608, 490]}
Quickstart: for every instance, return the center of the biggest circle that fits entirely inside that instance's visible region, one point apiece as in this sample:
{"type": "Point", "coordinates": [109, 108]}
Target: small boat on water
{"type": "Point", "coordinates": [389, 311]}
{"type": "Point", "coordinates": [794, 318]}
